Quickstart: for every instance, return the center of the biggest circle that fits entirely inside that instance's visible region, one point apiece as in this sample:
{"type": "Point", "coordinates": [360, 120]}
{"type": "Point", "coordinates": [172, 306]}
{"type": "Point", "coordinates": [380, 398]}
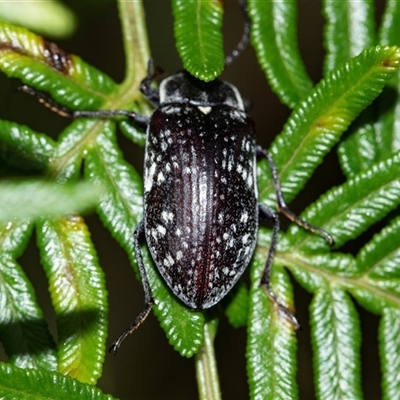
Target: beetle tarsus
{"type": "Point", "coordinates": [138, 321]}
{"type": "Point", "coordinates": [148, 296]}
{"type": "Point", "coordinates": [47, 101]}
{"type": "Point", "coordinates": [286, 313]}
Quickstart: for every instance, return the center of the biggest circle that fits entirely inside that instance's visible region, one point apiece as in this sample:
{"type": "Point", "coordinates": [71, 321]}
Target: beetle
{"type": "Point", "coordinates": [201, 210]}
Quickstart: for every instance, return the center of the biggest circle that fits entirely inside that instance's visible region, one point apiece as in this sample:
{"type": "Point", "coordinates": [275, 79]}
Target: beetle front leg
{"type": "Point", "coordinates": [283, 208]}
{"type": "Point", "coordinates": [148, 295]}
{"type": "Point", "coordinates": [140, 120]}
{"type": "Point", "coordinates": [267, 213]}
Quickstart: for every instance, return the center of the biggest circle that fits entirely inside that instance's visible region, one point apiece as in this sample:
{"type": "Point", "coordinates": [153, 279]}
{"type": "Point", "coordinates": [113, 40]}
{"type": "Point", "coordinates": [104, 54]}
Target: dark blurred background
{"type": "Point", "coordinates": [146, 366]}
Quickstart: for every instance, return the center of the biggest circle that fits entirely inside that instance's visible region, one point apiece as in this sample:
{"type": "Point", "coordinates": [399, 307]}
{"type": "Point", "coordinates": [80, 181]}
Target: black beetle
{"type": "Point", "coordinates": [201, 208]}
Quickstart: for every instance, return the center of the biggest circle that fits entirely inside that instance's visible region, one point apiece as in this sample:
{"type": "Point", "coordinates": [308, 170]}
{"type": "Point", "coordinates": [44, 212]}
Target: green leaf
{"type": "Point", "coordinates": [78, 294]}
{"type": "Point", "coordinates": [274, 37]}
{"type": "Point", "coordinates": [36, 199]}
{"type": "Point", "coordinates": [23, 148]}
{"type": "Point", "coordinates": [389, 30]}
{"type": "Point", "coordinates": [197, 27]}
{"type": "Point", "coordinates": [121, 206]}
{"type": "Point", "coordinates": [14, 237]}
{"type": "Point", "coordinates": [49, 18]}
{"type": "Point", "coordinates": [46, 67]}
{"type": "Point", "coordinates": [237, 308]}
{"type": "Point", "coordinates": [271, 345]}
{"type": "Point", "coordinates": [387, 132]}
{"type": "Point", "coordinates": [389, 346]}
{"type": "Point", "coordinates": [121, 209]}
{"type": "Point", "coordinates": [349, 29]}
{"type": "Point", "coordinates": [132, 133]}
{"type": "Point", "coordinates": [379, 263]}
{"type": "Point", "coordinates": [336, 340]}
{"type": "Point", "coordinates": [23, 330]}
{"type": "Point", "coordinates": [360, 149]}
{"type": "Point", "coordinates": [348, 210]}
{"type": "Point", "coordinates": [318, 121]}
{"type": "Point", "coordinates": [381, 256]}
{"type": "Point", "coordinates": [16, 383]}
{"type": "Point", "coordinates": [312, 270]}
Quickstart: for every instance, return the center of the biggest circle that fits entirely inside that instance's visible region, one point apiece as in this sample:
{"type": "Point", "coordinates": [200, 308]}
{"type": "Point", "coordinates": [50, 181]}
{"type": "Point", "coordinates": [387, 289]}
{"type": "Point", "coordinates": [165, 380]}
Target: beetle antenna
{"type": "Point", "coordinates": [244, 41]}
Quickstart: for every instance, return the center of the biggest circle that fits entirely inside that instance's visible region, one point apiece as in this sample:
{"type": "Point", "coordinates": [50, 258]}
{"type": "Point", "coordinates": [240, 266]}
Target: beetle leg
{"type": "Point", "coordinates": [148, 296]}
{"type": "Point", "coordinates": [283, 208]}
{"type": "Point", "coordinates": [140, 120]}
{"type": "Point", "coordinates": [267, 213]}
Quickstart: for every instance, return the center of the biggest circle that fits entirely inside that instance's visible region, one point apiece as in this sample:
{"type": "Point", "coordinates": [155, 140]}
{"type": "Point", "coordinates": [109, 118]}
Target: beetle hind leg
{"type": "Point", "coordinates": [148, 296]}
{"type": "Point", "coordinates": [283, 208]}
{"type": "Point", "coordinates": [267, 213]}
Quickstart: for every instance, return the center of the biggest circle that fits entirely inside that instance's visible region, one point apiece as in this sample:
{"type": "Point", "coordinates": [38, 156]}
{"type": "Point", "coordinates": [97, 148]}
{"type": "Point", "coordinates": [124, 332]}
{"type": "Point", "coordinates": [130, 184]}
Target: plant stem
{"type": "Point", "coordinates": [136, 44]}
{"type": "Point", "coordinates": [206, 366]}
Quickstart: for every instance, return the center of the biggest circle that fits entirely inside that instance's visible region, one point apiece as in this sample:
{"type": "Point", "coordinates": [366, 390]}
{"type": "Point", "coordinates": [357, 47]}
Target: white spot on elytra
{"type": "Point", "coordinates": [168, 261]}
{"type": "Point", "coordinates": [249, 181]}
{"type": "Point", "coordinates": [167, 216]}
{"type": "Point", "coordinates": [160, 177]}
{"type": "Point", "coordinates": [178, 232]}
{"type": "Point", "coordinates": [244, 217]}
{"type": "Point", "coordinates": [149, 177]}
{"type": "Point", "coordinates": [161, 230]}
{"type": "Point", "coordinates": [179, 255]}
{"type": "Point", "coordinates": [230, 163]}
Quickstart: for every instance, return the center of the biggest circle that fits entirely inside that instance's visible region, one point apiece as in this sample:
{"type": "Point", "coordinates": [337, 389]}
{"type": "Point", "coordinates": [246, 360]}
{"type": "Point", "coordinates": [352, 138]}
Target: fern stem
{"type": "Point", "coordinates": [136, 44]}
{"type": "Point", "coordinates": [206, 366]}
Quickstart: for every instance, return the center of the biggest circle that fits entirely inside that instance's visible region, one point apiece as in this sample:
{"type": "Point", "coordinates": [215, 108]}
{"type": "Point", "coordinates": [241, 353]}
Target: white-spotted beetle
{"type": "Point", "coordinates": [201, 208]}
